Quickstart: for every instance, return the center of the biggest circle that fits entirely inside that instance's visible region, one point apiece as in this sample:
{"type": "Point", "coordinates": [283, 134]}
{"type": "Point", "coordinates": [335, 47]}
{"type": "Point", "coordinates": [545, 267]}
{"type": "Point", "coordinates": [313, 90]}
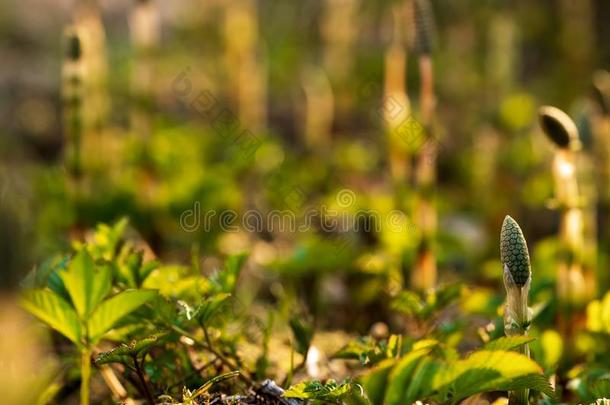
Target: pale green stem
{"type": "Point", "coordinates": [85, 375]}
{"type": "Point", "coordinates": [516, 323]}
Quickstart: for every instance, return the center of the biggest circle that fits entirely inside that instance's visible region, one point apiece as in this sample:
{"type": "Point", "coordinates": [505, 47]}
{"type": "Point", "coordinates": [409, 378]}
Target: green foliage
{"type": "Point", "coordinates": [508, 342]}
{"type": "Point", "coordinates": [54, 311]}
{"type": "Point", "coordinates": [327, 392]}
{"type": "Point", "coordinates": [126, 352]}
{"type": "Point", "coordinates": [425, 373]}
{"type": "Point", "coordinates": [370, 351]}
{"type": "Point", "coordinates": [91, 313]}
{"type": "Point", "coordinates": [303, 334]}
{"type": "Point", "coordinates": [410, 303]}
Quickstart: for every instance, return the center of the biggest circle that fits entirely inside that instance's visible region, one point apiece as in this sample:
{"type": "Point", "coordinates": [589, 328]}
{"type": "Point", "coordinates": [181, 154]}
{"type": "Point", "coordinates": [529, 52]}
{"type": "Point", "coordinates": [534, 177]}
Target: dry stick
{"type": "Point", "coordinates": [517, 279]}
{"type": "Point", "coordinates": [115, 386]}
{"type": "Point", "coordinates": [572, 285]}
{"type": "Point", "coordinates": [425, 272]}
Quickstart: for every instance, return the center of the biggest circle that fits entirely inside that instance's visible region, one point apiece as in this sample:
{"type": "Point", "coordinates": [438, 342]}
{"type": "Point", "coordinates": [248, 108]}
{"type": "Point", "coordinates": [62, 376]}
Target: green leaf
{"type": "Point", "coordinates": [375, 381]}
{"type": "Point", "coordinates": [601, 387]}
{"type": "Point", "coordinates": [113, 309]}
{"type": "Point", "coordinates": [211, 307]}
{"type": "Point", "coordinates": [329, 391]}
{"type": "Point", "coordinates": [408, 303]}
{"type": "Point", "coordinates": [125, 352]}
{"type": "Point", "coordinates": [54, 311]}
{"type": "Point", "coordinates": [225, 281]}
{"type": "Point", "coordinates": [490, 371]}
{"type": "Point", "coordinates": [508, 342]}
{"type": "Point", "coordinates": [86, 284]}
{"type": "Point", "coordinates": [401, 375]}
{"type": "Point", "coordinates": [421, 383]}
{"type": "Point", "coordinates": [303, 334]}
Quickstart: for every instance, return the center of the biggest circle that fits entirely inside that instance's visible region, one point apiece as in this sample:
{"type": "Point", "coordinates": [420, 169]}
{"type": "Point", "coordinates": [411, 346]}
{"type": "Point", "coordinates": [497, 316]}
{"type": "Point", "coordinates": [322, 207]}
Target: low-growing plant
{"type": "Point", "coordinates": [81, 305]}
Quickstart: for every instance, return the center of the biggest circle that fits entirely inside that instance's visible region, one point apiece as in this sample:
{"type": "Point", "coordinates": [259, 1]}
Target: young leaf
{"type": "Point", "coordinates": [508, 342]}
{"type": "Point", "coordinates": [421, 383]}
{"type": "Point", "coordinates": [303, 334]}
{"type": "Point", "coordinates": [211, 307]}
{"type": "Point", "coordinates": [54, 311]}
{"type": "Point", "coordinates": [224, 281]}
{"type": "Point", "coordinates": [113, 309]}
{"type": "Point", "coordinates": [329, 391]}
{"type": "Point", "coordinates": [86, 284]}
{"type": "Point", "coordinates": [401, 375]}
{"type": "Point", "coordinates": [375, 381]}
{"type": "Point", "coordinates": [123, 354]}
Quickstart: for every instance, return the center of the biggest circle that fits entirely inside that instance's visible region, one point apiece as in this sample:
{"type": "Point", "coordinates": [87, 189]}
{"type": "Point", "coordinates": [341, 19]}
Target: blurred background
{"type": "Point", "coordinates": [163, 111]}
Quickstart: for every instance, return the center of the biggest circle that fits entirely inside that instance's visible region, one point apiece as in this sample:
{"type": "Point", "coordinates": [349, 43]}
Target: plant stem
{"type": "Point", "coordinates": [228, 363]}
{"type": "Point", "coordinates": [85, 375]}
{"type": "Point", "coordinates": [140, 373]}
{"type": "Point", "coordinates": [516, 324]}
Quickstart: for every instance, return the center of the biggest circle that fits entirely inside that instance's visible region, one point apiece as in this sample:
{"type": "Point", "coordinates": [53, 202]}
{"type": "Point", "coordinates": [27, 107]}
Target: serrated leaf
{"type": "Point", "coordinates": [400, 376]}
{"type": "Point", "coordinates": [601, 387]}
{"type": "Point", "coordinates": [408, 303]}
{"type": "Point", "coordinates": [315, 390]}
{"type": "Point", "coordinates": [54, 311]}
{"type": "Point", "coordinates": [490, 370]}
{"type": "Point", "coordinates": [211, 307]}
{"type": "Point", "coordinates": [508, 342]}
{"type": "Point", "coordinates": [124, 353]}
{"type": "Point", "coordinates": [86, 283]}
{"type": "Point", "coordinates": [225, 281]}
{"type": "Point", "coordinates": [375, 381]}
{"type": "Point", "coordinates": [113, 309]}
{"type": "Point", "coordinates": [421, 383]}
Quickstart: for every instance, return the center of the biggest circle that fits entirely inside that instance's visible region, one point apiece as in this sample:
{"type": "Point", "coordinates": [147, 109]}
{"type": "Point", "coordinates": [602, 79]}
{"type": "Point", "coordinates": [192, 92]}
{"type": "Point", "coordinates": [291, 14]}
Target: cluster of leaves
{"type": "Point", "coordinates": [328, 392]}
{"type": "Point", "coordinates": [79, 300]}
{"type": "Point", "coordinates": [105, 291]}
{"type": "Point", "coordinates": [432, 371]}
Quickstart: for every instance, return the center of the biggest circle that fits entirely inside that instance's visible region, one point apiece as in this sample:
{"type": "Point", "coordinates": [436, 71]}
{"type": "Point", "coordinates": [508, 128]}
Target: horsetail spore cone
{"type": "Point", "coordinates": [559, 127]}
{"type": "Point", "coordinates": [424, 27]}
{"type": "Point", "coordinates": [517, 277]}
{"type": "Point", "coordinates": [73, 51]}
{"type": "Point", "coordinates": [514, 253]}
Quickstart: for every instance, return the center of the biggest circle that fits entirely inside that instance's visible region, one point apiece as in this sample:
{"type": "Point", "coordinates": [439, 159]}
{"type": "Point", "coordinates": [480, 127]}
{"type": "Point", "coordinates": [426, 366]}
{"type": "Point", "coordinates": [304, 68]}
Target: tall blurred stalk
{"type": "Point", "coordinates": [424, 213]}
{"type": "Point", "coordinates": [574, 285]}
{"type": "Point", "coordinates": [397, 107]}
{"type": "Point", "coordinates": [245, 62]}
{"type": "Point", "coordinates": [339, 31]}
{"type": "Point", "coordinates": [72, 94]}
{"type": "Point", "coordinates": [88, 22]}
{"type": "Point", "coordinates": [600, 123]}
{"type": "Point", "coordinates": [319, 108]}
{"type": "Point", "coordinates": [144, 26]}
